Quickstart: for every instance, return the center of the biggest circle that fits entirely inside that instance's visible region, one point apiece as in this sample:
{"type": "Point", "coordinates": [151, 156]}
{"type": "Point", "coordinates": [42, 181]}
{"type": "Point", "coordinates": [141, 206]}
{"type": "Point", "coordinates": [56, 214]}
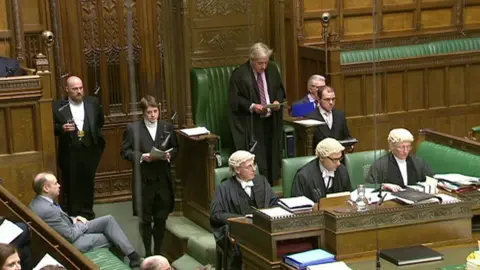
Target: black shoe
{"type": "Point", "coordinates": [136, 263]}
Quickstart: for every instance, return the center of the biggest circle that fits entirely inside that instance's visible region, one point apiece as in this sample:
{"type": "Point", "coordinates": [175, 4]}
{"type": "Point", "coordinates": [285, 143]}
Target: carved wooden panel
{"type": "Point", "coordinates": [22, 124]}
{"type": "Point", "coordinates": [353, 18]}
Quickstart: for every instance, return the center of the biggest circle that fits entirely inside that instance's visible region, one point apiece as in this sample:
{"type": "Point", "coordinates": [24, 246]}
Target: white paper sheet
{"type": "Point", "coordinates": [46, 260]}
{"type": "Point", "coordinates": [9, 231]}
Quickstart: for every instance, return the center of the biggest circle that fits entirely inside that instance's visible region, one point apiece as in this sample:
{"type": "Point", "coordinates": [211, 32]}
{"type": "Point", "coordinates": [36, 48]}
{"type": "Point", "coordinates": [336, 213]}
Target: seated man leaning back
{"type": "Point", "coordinates": [86, 235]}
{"type": "Point", "coordinates": [235, 197]}
{"type": "Point", "coordinates": [399, 168]}
{"type": "Point", "coordinates": [324, 174]}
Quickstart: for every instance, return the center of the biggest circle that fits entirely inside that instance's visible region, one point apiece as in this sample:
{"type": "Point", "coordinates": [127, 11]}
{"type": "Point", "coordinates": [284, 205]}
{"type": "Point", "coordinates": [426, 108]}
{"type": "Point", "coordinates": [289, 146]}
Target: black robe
{"type": "Point", "coordinates": [386, 170]}
{"type": "Point", "coordinates": [232, 201]}
{"type": "Point", "coordinates": [243, 92]}
{"type": "Point", "coordinates": [309, 181]}
{"type": "Point", "coordinates": [339, 129]}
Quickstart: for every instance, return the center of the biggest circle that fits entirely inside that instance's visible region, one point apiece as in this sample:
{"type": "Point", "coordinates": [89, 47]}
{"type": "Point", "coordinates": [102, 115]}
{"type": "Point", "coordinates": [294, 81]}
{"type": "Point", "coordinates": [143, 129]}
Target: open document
{"type": "Point", "coordinates": [9, 231]}
{"type": "Point", "coordinates": [309, 122]}
{"type": "Point", "coordinates": [155, 152]}
{"type": "Point", "coordinates": [46, 260]}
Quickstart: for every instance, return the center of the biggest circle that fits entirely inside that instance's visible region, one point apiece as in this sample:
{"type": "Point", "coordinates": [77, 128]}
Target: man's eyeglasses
{"type": "Point", "coordinates": [249, 167]}
{"type": "Point", "coordinates": [405, 147]}
{"type": "Point", "coordinates": [329, 99]}
{"type": "Point", "coordinates": [316, 87]}
{"type": "Point", "coordinates": [336, 159]}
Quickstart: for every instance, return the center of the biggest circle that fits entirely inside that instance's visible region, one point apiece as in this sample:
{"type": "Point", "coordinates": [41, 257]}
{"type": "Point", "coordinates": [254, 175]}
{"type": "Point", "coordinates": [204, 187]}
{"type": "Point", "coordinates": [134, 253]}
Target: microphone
{"type": "Point", "coordinates": [9, 71]}
{"type": "Point", "coordinates": [63, 107]}
{"type": "Point", "coordinates": [253, 146]}
{"type": "Point", "coordinates": [167, 139]}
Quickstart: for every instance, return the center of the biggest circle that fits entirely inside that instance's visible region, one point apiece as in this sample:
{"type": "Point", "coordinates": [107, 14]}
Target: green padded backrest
{"type": "Point", "coordinates": [358, 164]}
{"type": "Point", "coordinates": [443, 159]}
{"type": "Point", "coordinates": [476, 129]}
{"type": "Point", "coordinates": [210, 100]}
{"type": "Point", "coordinates": [290, 167]}
{"type": "Point", "coordinates": [419, 50]}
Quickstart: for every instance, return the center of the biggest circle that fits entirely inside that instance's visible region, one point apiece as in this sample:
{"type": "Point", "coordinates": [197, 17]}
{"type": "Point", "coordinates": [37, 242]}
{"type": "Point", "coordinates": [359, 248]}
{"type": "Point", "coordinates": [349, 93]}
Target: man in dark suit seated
{"type": "Point", "coordinates": [336, 122]}
{"type": "Point", "coordinates": [10, 67]}
{"type": "Point", "coordinates": [235, 197]}
{"type": "Point", "coordinates": [314, 83]}
{"type": "Point", "coordinates": [399, 168]}
{"type": "Point", "coordinates": [84, 234]}
{"type": "Point", "coordinates": [324, 174]}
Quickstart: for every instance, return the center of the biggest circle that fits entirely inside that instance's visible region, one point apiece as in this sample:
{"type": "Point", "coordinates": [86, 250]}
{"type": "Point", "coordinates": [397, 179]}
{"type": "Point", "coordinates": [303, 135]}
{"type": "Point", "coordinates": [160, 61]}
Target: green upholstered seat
{"type": "Point", "coordinates": [419, 50]}
{"type": "Point", "coordinates": [443, 159]}
{"type": "Point", "coordinates": [359, 163]}
{"type": "Point", "coordinates": [290, 166]}
{"type": "Point", "coordinates": [476, 129]}
{"type": "Point", "coordinates": [210, 104]}
{"type": "Point", "coordinates": [106, 260]}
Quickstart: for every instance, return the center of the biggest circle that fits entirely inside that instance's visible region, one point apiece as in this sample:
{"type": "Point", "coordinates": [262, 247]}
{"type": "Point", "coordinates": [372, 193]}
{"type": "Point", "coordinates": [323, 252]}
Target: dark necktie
{"type": "Point", "coordinates": [263, 98]}
{"type": "Point", "coordinates": [316, 104]}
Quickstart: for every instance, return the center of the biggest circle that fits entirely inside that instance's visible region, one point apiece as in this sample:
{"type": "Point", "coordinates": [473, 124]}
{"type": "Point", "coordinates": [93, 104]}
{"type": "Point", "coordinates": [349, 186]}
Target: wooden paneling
{"type": "Point", "coordinates": [3, 132]}
{"type": "Point", "coordinates": [436, 18]}
{"type": "Point", "coordinates": [398, 21]}
{"type": "Point", "coordinates": [471, 15]}
{"type": "Point", "coordinates": [22, 123]}
{"type": "Point", "coordinates": [438, 92]}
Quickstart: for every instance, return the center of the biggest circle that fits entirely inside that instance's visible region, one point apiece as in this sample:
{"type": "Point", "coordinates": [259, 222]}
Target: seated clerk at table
{"type": "Point", "coordinates": [399, 168]}
{"type": "Point", "coordinates": [235, 197]}
{"type": "Point", "coordinates": [314, 83]}
{"type": "Point", "coordinates": [336, 122]}
{"type": "Point", "coordinates": [324, 174]}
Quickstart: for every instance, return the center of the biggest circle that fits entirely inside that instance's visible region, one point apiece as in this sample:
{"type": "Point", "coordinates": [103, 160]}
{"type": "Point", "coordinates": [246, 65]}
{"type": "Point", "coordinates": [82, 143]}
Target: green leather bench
{"type": "Point", "coordinates": [476, 133]}
{"type": "Point", "coordinates": [411, 51]}
{"type": "Point", "coordinates": [106, 260]}
{"type": "Point", "coordinates": [358, 164]}
{"type": "Point", "coordinates": [443, 159]}
{"type": "Point", "coordinates": [290, 167]}
{"type": "Point", "coordinates": [210, 105]}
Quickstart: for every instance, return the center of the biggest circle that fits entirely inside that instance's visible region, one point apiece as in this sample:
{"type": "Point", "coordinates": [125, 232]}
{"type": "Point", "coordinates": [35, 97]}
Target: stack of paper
{"type": "Point", "coordinates": [458, 183]}
{"type": "Point", "coordinates": [308, 258]}
{"type": "Point", "coordinates": [330, 266]}
{"type": "Point", "coordinates": [9, 231]}
{"type": "Point", "coordinates": [309, 122]}
{"type": "Point", "coordinates": [276, 212]}
{"type": "Point", "coordinates": [297, 204]}
{"type": "Point", "coordinates": [196, 131]}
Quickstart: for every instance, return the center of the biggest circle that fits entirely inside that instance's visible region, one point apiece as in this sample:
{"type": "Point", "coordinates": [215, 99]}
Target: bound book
{"type": "Point", "coordinates": [296, 204]}
{"type": "Point", "coordinates": [312, 257]}
{"type": "Point", "coordinates": [348, 142]}
{"type": "Point", "coordinates": [410, 255]}
{"type": "Point", "coordinates": [410, 196]}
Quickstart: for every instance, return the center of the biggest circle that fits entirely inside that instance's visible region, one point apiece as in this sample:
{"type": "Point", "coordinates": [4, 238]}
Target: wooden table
{"type": "Point", "coordinates": [453, 255]}
{"type": "Point", "coordinates": [339, 228]}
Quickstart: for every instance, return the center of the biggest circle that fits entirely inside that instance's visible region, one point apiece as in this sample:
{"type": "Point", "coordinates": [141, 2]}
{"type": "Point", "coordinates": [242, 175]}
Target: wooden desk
{"type": "Point", "coordinates": [453, 255]}
{"type": "Point", "coordinates": [303, 136]}
{"type": "Point", "coordinates": [340, 229]}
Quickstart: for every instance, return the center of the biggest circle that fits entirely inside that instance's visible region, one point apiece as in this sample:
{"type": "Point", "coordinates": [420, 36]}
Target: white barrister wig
{"type": "Point", "coordinates": [237, 158]}
{"type": "Point", "coordinates": [399, 135]}
{"type": "Point", "coordinates": [327, 147]}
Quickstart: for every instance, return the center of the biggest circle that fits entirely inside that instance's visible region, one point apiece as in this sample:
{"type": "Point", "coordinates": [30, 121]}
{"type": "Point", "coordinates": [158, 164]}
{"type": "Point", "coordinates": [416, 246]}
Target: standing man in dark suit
{"type": "Point", "coordinates": [153, 197]}
{"type": "Point", "coordinates": [314, 83]}
{"type": "Point", "coordinates": [78, 124]}
{"type": "Point", "coordinates": [84, 234]}
{"type": "Point", "coordinates": [253, 86]}
{"type": "Point", "coordinates": [336, 122]}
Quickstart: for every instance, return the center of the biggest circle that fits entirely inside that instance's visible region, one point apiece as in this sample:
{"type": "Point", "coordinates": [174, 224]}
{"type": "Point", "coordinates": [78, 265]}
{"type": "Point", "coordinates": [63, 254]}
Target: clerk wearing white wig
{"type": "Point", "coordinates": [399, 168]}
{"type": "Point", "coordinates": [236, 196]}
{"type": "Point", "coordinates": [323, 175]}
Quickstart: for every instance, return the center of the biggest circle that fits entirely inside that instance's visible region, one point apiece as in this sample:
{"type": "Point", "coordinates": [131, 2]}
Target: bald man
{"type": "Point", "coordinates": [84, 234]}
{"type": "Point", "coordinates": [78, 123]}
{"type": "Point", "coordinates": [323, 175]}
{"type": "Point", "coordinates": [155, 263]}
{"type": "Point", "coordinates": [399, 168]}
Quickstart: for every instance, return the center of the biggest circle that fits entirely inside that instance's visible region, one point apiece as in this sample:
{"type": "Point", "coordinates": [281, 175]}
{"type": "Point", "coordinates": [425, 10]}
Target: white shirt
{"type": "Point", "coordinates": [78, 113]}
{"type": "Point", "coordinates": [50, 200]}
{"type": "Point", "coordinates": [247, 186]}
{"type": "Point", "coordinates": [326, 175]}
{"type": "Point", "coordinates": [328, 116]}
{"type": "Point", "coordinates": [152, 128]}
{"type": "Point", "coordinates": [402, 165]}
{"type": "Point", "coordinates": [310, 98]}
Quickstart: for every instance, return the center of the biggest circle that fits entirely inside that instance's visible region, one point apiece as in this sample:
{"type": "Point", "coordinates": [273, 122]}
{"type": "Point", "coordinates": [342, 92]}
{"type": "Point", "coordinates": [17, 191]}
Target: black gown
{"type": "Point", "coordinates": [268, 132]}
